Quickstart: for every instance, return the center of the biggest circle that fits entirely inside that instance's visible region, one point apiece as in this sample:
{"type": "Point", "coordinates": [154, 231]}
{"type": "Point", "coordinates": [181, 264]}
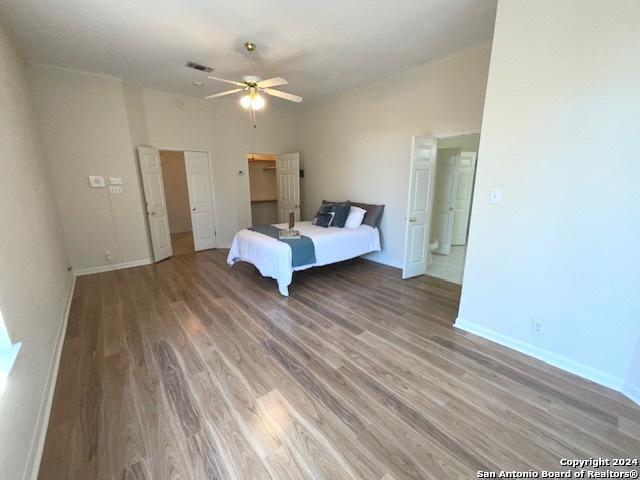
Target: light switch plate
{"type": "Point", "coordinates": [96, 181]}
{"type": "Point", "coordinates": [115, 181]}
{"type": "Point", "coordinates": [115, 188]}
{"type": "Point", "coordinates": [495, 197]}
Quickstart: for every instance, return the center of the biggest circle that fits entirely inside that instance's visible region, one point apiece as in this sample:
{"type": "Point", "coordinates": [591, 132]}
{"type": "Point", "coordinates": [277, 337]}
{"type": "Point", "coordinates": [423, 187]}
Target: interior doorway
{"type": "Point", "coordinates": [456, 165]}
{"type": "Point", "coordinates": [263, 188]}
{"type": "Point", "coordinates": [174, 176]}
{"type": "Point", "coordinates": [178, 193]}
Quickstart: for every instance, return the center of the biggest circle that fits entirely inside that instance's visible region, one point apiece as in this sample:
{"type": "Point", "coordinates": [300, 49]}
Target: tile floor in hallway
{"type": "Point", "coordinates": [449, 267]}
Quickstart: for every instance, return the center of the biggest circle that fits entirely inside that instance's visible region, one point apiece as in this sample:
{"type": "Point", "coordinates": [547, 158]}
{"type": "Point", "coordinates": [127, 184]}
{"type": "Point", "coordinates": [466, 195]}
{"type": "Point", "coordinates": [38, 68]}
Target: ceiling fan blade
{"type": "Point", "coordinates": [286, 96]}
{"type": "Point", "coordinates": [232, 82]}
{"type": "Point", "coordinates": [272, 82]}
{"type": "Point", "coordinates": [222, 94]}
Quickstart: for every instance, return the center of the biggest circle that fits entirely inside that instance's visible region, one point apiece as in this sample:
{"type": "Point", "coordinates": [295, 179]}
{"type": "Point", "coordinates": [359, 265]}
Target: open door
{"type": "Point", "coordinates": [418, 221]}
{"type": "Point", "coordinates": [288, 172]}
{"type": "Point", "coordinates": [156, 203]}
{"type": "Point", "coordinates": [198, 170]}
{"type": "Point", "coordinates": [444, 202]}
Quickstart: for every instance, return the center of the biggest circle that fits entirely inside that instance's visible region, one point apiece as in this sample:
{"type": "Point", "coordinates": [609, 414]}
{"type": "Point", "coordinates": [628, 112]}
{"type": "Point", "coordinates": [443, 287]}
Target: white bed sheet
{"type": "Point", "coordinates": [273, 257]}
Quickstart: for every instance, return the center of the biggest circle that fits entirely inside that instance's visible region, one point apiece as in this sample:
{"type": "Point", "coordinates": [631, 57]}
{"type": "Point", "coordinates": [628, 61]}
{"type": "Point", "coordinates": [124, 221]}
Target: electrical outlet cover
{"type": "Point", "coordinates": [495, 196]}
{"type": "Point", "coordinates": [537, 326]}
{"type": "Point", "coordinates": [96, 181]}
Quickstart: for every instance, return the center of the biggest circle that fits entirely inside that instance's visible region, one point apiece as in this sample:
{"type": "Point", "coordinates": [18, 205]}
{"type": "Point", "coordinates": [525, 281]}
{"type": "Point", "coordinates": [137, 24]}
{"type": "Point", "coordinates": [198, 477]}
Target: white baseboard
{"type": "Point", "coordinates": [40, 433]}
{"type": "Point", "coordinates": [383, 261]}
{"type": "Point", "coordinates": [564, 363]}
{"type": "Point", "coordinates": [115, 266]}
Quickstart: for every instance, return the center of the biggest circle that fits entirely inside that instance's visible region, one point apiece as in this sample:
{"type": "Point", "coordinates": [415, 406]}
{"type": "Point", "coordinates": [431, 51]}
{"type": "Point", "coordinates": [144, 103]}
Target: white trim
{"type": "Point", "coordinates": [564, 363]}
{"type": "Point", "coordinates": [394, 77]}
{"type": "Point", "coordinates": [73, 70]}
{"type": "Point", "coordinates": [115, 266]}
{"type": "Point", "coordinates": [462, 133]}
{"type": "Point", "coordinates": [42, 424]}
{"type": "Point", "coordinates": [632, 392]}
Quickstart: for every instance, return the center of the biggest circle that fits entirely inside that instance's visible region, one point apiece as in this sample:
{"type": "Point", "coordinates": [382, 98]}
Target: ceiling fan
{"type": "Point", "coordinates": [254, 86]}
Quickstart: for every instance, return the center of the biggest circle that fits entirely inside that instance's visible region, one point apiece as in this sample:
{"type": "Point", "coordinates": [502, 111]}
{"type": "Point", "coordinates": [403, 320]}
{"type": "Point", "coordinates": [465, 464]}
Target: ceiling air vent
{"type": "Point", "coordinates": [197, 66]}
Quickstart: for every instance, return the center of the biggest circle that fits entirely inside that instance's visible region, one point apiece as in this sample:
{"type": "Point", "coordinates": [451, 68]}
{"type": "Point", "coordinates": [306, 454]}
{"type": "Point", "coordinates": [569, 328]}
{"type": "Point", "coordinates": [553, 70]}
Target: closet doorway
{"type": "Point", "coordinates": [174, 176]}
{"type": "Point", "coordinates": [178, 191]}
{"type": "Point", "coordinates": [263, 188]}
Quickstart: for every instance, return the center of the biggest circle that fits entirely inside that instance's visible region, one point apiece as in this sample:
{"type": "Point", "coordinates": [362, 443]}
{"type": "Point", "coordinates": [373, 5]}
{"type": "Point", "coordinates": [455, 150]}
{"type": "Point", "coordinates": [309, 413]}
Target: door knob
{"type": "Point", "coordinates": [152, 212]}
{"type": "Point", "coordinates": [451, 209]}
{"type": "Point", "coordinates": [412, 219]}
{"type": "Point", "coordinates": [193, 208]}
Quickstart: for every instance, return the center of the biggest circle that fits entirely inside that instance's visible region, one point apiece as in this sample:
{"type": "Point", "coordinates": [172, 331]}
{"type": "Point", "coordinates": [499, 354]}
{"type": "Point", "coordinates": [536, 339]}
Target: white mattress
{"type": "Point", "coordinates": [273, 257]}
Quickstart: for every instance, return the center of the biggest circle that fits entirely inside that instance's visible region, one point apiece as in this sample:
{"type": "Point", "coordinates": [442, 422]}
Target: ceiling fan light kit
{"type": "Point", "coordinates": [253, 100]}
{"type": "Point", "coordinates": [252, 86]}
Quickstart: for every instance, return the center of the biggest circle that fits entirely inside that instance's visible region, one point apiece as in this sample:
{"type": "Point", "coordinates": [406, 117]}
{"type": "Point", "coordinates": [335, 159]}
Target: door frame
{"type": "Point", "coordinates": [462, 133]}
{"type": "Point", "coordinates": [213, 191]}
{"type": "Point", "coordinates": [440, 136]}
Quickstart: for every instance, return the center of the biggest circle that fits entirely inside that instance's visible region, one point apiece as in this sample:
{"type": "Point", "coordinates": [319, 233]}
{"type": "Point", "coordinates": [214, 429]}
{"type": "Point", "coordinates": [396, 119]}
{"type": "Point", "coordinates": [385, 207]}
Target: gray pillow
{"type": "Point", "coordinates": [373, 215]}
{"type": "Point", "coordinates": [324, 219]}
{"type": "Point", "coordinates": [342, 212]}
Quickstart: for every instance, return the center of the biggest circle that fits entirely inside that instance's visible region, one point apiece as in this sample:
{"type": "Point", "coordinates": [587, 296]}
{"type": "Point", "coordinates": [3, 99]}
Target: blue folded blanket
{"type": "Point", "coordinates": [303, 252]}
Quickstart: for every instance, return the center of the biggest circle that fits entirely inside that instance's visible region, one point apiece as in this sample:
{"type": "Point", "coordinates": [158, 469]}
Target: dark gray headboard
{"type": "Point", "coordinates": [373, 215]}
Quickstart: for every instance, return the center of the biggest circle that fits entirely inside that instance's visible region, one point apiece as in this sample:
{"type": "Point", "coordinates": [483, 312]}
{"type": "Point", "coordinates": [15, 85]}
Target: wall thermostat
{"type": "Point", "coordinates": [96, 181]}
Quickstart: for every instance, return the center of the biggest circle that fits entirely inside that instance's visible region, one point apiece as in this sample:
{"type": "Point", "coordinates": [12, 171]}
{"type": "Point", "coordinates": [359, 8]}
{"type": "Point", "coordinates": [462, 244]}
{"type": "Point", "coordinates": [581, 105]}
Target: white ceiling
{"type": "Point", "coordinates": [320, 47]}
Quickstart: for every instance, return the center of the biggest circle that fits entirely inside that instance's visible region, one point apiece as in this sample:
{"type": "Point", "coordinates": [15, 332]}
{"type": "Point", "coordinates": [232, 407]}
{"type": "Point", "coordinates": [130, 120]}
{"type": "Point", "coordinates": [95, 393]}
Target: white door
{"type": "Point", "coordinates": [421, 182]}
{"type": "Point", "coordinates": [199, 180]}
{"type": "Point", "coordinates": [443, 203]}
{"type": "Point", "coordinates": [288, 173]}
{"type": "Point", "coordinates": [464, 193]}
{"type": "Point", "coordinates": [153, 186]}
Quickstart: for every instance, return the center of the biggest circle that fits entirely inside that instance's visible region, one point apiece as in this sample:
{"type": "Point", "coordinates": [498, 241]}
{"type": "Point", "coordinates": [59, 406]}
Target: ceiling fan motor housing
{"type": "Point", "coordinates": [251, 79]}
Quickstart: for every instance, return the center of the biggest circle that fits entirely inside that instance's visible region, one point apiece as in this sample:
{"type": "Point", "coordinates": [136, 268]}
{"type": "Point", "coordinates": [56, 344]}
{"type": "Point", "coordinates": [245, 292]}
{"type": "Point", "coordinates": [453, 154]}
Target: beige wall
{"type": "Point", "coordinates": [86, 132]}
{"type": "Point", "coordinates": [222, 128]}
{"type": "Point", "coordinates": [264, 213]}
{"type": "Point", "coordinates": [174, 176]}
{"type": "Point", "coordinates": [560, 138]}
{"type": "Point", "coordinates": [357, 145]}
{"type": "Point", "coordinates": [262, 183]}
{"type": "Point", "coordinates": [262, 186]}
{"type": "Point", "coordinates": [34, 282]}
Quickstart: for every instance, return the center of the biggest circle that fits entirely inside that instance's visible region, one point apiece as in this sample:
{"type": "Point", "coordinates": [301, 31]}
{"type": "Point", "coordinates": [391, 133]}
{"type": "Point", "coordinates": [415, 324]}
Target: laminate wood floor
{"type": "Point", "coordinates": [190, 369]}
{"type": "Point", "coordinates": [182, 243]}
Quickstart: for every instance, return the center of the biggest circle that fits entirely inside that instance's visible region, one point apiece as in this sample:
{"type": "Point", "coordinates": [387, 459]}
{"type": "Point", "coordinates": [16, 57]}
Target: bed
{"type": "Point", "coordinates": [273, 258]}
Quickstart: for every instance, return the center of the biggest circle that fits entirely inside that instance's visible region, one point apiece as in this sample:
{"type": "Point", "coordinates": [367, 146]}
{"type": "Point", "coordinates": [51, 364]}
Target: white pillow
{"type": "Point", "coordinates": [356, 215]}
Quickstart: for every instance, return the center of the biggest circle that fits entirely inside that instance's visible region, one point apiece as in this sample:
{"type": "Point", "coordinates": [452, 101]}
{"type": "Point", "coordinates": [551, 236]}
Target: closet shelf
{"type": "Point", "coordinates": [264, 201]}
